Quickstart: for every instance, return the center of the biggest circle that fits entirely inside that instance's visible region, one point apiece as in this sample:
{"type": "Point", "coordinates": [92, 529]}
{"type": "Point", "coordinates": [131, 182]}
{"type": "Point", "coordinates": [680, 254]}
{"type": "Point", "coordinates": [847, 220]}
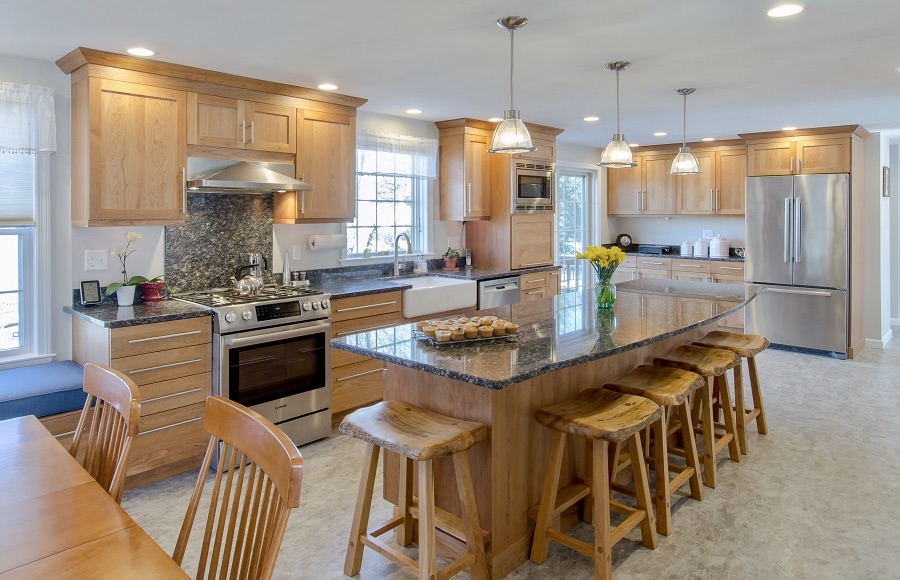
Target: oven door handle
{"type": "Point", "coordinates": [271, 336]}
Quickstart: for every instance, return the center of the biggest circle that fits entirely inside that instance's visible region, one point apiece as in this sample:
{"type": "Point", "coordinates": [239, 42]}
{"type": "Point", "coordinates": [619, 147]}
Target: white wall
{"type": "Point", "coordinates": [876, 269]}
{"type": "Point", "coordinates": [895, 230]}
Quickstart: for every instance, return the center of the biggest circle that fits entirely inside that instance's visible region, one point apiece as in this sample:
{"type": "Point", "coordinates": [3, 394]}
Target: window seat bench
{"type": "Point", "coordinates": [41, 390]}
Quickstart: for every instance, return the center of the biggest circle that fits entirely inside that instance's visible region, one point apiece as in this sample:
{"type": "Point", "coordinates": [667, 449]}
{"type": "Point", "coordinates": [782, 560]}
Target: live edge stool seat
{"type": "Point", "coordinates": [746, 346]}
{"type": "Point", "coordinates": [602, 417]}
{"type": "Point", "coordinates": [416, 435]}
{"type": "Point", "coordinates": [670, 389]}
{"type": "Point", "coordinates": [712, 364]}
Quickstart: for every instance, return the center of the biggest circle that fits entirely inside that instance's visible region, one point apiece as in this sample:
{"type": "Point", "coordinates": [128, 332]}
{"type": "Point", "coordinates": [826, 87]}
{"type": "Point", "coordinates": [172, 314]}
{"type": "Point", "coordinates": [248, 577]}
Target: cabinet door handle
{"type": "Point", "coordinates": [717, 200]}
{"type": "Point", "coordinates": [302, 202]}
{"type": "Point", "coordinates": [169, 426]}
{"type": "Point", "coordinates": [346, 332]}
{"type": "Point", "coordinates": [349, 308]}
{"type": "Point", "coordinates": [178, 394]}
{"type": "Point", "coordinates": [184, 190]}
{"type": "Point", "coordinates": [252, 132]}
{"type": "Point", "coordinates": [166, 366]}
{"type": "Point", "coordinates": [792, 164]}
{"type": "Point", "coordinates": [163, 336]}
{"type": "Point", "coordinates": [244, 132]}
{"type": "Point", "coordinates": [468, 198]}
{"type": "Point", "coordinates": [638, 205]}
{"type": "Point", "coordinates": [799, 168]}
{"type": "Point", "coordinates": [712, 200]}
{"type": "Point", "coordinates": [358, 375]}
{"type": "Point", "coordinates": [532, 264]}
{"type": "Point", "coordinates": [643, 201]}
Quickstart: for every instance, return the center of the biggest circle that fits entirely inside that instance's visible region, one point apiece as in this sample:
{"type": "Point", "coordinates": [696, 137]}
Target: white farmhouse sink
{"type": "Point", "coordinates": [433, 294]}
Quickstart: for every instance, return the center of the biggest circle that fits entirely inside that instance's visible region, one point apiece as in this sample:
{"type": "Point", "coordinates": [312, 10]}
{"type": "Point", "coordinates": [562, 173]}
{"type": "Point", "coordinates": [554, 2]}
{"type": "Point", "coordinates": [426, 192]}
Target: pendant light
{"type": "Point", "coordinates": [511, 135]}
{"type": "Point", "coordinates": [685, 163]}
{"type": "Point", "coordinates": [617, 153]}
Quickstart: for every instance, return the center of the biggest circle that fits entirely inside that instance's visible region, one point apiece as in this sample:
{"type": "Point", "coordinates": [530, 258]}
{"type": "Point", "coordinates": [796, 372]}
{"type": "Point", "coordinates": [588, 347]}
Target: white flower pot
{"type": "Point", "coordinates": [125, 295]}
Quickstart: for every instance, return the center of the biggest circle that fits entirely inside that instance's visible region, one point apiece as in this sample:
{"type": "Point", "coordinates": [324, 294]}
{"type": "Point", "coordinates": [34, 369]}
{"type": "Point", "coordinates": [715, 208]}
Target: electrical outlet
{"type": "Point", "coordinates": [296, 251]}
{"type": "Point", "coordinates": [453, 243]}
{"type": "Point", "coordinates": [708, 234]}
{"type": "Point", "coordinates": [95, 259]}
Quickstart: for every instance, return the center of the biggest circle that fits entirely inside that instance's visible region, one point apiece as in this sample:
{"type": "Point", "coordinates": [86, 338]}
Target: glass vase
{"type": "Point", "coordinates": [605, 293]}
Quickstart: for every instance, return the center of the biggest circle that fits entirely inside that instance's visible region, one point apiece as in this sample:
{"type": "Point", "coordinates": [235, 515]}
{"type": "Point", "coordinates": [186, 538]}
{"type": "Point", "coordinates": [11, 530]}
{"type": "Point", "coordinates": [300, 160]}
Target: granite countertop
{"type": "Point", "coordinates": [109, 315]}
{"type": "Point", "coordinates": [558, 332]}
{"type": "Point", "coordinates": [680, 257]}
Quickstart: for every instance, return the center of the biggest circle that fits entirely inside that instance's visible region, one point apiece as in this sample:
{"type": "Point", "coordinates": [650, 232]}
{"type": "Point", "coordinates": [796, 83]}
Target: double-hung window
{"type": "Point", "coordinates": [27, 135]}
{"type": "Point", "coordinates": [394, 178]}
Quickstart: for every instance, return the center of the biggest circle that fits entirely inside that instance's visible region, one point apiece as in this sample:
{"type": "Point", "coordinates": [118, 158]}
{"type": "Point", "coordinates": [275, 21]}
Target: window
{"type": "Point", "coordinates": [394, 175]}
{"type": "Point", "coordinates": [572, 226]}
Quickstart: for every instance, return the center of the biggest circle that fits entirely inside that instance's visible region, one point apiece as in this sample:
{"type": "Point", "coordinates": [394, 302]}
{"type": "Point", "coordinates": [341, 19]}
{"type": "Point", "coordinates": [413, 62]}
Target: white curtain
{"type": "Point", "coordinates": [27, 119]}
{"type": "Point", "coordinates": [422, 150]}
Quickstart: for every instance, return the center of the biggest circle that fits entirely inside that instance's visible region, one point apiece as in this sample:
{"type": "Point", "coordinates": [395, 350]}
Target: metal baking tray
{"type": "Point", "coordinates": [421, 337]}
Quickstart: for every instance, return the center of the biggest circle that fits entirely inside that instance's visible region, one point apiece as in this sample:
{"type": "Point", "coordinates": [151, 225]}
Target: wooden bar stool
{"type": "Point", "coordinates": [712, 364]}
{"type": "Point", "coordinates": [669, 388]}
{"type": "Point", "coordinates": [746, 346]}
{"type": "Point", "coordinates": [420, 435]}
{"type": "Point", "coordinates": [602, 417]}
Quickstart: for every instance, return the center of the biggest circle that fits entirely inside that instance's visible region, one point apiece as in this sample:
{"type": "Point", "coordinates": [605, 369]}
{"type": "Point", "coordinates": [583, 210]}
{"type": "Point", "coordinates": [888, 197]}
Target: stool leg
{"type": "Point", "coordinates": [661, 455]}
{"type": "Point", "coordinates": [587, 505]}
{"type": "Point", "coordinates": [548, 497]}
{"type": "Point", "coordinates": [734, 451]}
{"type": "Point", "coordinates": [405, 531]}
{"type": "Point", "coordinates": [690, 450]}
{"type": "Point", "coordinates": [709, 434]}
{"type": "Point", "coordinates": [642, 492]}
{"type": "Point", "coordinates": [353, 560]}
{"type": "Point", "coordinates": [471, 526]}
{"type": "Point", "coordinates": [600, 491]}
{"type": "Point", "coordinates": [740, 416]}
{"type": "Point", "coordinates": [761, 426]}
{"type": "Point", "coordinates": [427, 545]}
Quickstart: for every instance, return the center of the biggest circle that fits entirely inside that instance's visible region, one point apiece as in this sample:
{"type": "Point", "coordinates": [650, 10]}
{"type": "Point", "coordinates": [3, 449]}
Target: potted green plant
{"type": "Point", "coordinates": [450, 258]}
{"type": "Point", "coordinates": [124, 290]}
{"type": "Point", "coordinates": [151, 290]}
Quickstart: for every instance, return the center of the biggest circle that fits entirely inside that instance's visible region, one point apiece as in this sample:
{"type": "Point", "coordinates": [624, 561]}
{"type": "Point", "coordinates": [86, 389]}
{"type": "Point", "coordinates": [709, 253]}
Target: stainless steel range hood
{"type": "Point", "coordinates": [206, 175]}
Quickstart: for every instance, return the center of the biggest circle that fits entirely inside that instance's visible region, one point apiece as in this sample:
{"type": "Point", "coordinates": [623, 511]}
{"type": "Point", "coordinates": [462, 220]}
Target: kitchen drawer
{"type": "Point", "coordinates": [691, 276]}
{"type": "Point", "coordinates": [169, 442]}
{"type": "Point", "coordinates": [534, 294]}
{"type": "Point", "coordinates": [653, 263]}
{"type": "Point", "coordinates": [664, 274]}
{"type": "Point", "coordinates": [144, 338]}
{"type": "Point", "coordinates": [533, 280]}
{"type": "Point", "coordinates": [356, 385]}
{"type": "Point", "coordinates": [623, 275]}
{"type": "Point", "coordinates": [174, 393]}
{"type": "Point", "coordinates": [389, 319]}
{"type": "Point", "coordinates": [629, 262]}
{"type": "Point", "coordinates": [368, 305]}
{"type": "Point", "coordinates": [734, 269]}
{"type": "Point", "coordinates": [154, 367]}
{"type": "Point", "coordinates": [340, 357]}
{"type": "Point", "coordinates": [690, 266]}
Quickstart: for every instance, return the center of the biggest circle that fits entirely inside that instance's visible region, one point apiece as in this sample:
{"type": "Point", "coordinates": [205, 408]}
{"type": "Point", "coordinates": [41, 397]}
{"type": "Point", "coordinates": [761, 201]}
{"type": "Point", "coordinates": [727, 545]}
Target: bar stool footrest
{"type": "Point", "coordinates": [450, 524]}
{"type": "Point", "coordinates": [566, 497]}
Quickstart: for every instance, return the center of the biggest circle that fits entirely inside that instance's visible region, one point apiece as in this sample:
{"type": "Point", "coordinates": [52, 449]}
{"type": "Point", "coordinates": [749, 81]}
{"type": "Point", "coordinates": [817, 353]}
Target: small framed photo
{"type": "Point", "coordinates": [90, 292]}
{"type": "Point", "coordinates": [885, 181]}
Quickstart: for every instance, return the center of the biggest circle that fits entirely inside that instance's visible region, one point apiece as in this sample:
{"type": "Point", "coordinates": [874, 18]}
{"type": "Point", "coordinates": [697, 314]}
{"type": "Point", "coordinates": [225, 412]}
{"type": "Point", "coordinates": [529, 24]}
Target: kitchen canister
{"type": "Point", "coordinates": [718, 247]}
{"type": "Point", "coordinates": [687, 250]}
{"type": "Point", "coordinates": [701, 250]}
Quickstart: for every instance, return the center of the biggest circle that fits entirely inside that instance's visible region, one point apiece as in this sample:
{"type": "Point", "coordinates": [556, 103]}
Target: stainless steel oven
{"type": "Point", "coordinates": [533, 187]}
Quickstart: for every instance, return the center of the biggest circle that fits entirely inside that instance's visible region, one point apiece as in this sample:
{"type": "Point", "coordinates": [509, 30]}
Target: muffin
{"type": "Point", "coordinates": [429, 330]}
{"type": "Point", "coordinates": [511, 328]}
{"type": "Point", "coordinates": [475, 319]}
{"type": "Point", "coordinates": [422, 324]}
{"type": "Point", "coordinates": [485, 331]}
{"type": "Point", "coordinates": [462, 320]}
{"type": "Point", "coordinates": [442, 335]}
{"type": "Point", "coordinates": [499, 329]}
{"type": "Point", "coordinates": [471, 331]}
{"type": "Point", "coordinates": [457, 334]}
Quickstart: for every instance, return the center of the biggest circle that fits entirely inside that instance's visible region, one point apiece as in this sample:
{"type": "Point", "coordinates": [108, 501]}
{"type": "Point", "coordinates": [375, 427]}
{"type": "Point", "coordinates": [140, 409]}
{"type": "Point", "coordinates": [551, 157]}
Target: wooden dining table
{"type": "Point", "coordinates": [57, 522]}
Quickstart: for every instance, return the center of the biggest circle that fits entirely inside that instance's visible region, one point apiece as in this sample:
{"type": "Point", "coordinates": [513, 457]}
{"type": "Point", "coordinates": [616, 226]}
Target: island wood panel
{"type": "Point", "coordinates": [508, 468]}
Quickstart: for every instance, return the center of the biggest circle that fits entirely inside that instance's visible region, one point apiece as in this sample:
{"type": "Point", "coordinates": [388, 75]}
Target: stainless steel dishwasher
{"type": "Point", "coordinates": [500, 292]}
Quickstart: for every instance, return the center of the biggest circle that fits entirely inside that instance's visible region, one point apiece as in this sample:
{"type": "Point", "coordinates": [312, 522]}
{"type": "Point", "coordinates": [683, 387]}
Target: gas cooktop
{"type": "Point", "coordinates": [228, 296]}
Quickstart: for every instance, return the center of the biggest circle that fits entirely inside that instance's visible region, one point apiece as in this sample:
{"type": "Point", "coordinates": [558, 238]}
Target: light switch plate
{"type": "Point", "coordinates": [296, 251]}
{"type": "Point", "coordinates": [708, 234]}
{"type": "Point", "coordinates": [95, 259]}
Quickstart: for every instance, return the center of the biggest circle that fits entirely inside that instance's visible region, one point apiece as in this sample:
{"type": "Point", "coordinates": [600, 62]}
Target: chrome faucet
{"type": "Point", "coordinates": [408, 251]}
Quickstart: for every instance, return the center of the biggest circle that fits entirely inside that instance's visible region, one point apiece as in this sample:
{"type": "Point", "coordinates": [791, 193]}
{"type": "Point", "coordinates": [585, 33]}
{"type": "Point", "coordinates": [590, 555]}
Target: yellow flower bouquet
{"type": "Point", "coordinates": [604, 261]}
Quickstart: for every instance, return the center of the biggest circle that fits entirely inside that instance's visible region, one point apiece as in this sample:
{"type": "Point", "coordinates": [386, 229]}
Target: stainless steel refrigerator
{"type": "Point", "coordinates": [797, 260]}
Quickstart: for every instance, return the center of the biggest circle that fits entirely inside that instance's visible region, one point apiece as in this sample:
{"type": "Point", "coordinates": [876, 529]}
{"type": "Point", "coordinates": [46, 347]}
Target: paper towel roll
{"type": "Point", "coordinates": [318, 242]}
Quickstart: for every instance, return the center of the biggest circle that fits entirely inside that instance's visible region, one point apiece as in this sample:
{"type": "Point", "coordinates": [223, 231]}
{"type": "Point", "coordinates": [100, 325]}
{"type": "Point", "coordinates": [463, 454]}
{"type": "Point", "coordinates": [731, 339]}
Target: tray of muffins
{"type": "Point", "coordinates": [466, 330]}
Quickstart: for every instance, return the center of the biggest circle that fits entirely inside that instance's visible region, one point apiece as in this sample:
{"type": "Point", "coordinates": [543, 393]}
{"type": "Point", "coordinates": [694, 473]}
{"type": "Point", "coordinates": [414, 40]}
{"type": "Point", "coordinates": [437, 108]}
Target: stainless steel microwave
{"type": "Point", "coordinates": [533, 187]}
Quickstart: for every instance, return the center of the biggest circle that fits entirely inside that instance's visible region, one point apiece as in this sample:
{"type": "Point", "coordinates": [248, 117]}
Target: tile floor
{"type": "Point", "coordinates": [818, 497]}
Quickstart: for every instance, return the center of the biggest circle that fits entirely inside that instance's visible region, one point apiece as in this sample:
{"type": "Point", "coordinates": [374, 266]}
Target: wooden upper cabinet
{"type": "Point", "coordinates": [478, 170]}
{"type": "Point", "coordinates": [799, 156]}
{"type": "Point", "coordinates": [238, 124]}
{"type": "Point", "coordinates": [731, 181]}
{"type": "Point", "coordinates": [326, 158]}
{"type": "Point", "coordinates": [531, 240]}
{"type": "Point", "coordinates": [719, 187]}
{"type": "Point", "coordinates": [128, 154]}
{"type": "Point", "coordinates": [770, 158]}
{"type": "Point", "coordinates": [545, 149]}
{"type": "Point", "coordinates": [698, 190]}
{"type": "Point", "coordinates": [660, 188]}
{"type": "Point", "coordinates": [624, 189]}
{"type": "Point", "coordinates": [465, 174]}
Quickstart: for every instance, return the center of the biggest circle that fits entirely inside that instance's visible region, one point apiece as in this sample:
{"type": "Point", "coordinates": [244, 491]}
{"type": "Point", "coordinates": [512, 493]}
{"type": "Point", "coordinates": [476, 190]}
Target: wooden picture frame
{"type": "Point", "coordinates": [885, 181]}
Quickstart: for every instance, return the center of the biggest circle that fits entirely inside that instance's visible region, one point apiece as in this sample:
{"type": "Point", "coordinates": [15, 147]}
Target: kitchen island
{"type": "Point", "coordinates": [564, 346]}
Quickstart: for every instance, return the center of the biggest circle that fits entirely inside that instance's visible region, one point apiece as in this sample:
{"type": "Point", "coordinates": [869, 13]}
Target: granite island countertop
{"type": "Point", "coordinates": [558, 332]}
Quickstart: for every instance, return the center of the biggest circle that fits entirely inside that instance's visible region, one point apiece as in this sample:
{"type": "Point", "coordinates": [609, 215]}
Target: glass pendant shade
{"type": "Point", "coordinates": [511, 135]}
{"type": "Point", "coordinates": [685, 163]}
{"type": "Point", "coordinates": [617, 153]}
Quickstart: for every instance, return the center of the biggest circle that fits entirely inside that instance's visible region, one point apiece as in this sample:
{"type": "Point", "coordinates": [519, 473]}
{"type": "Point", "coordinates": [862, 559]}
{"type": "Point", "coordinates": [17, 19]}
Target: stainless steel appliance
{"type": "Point", "coordinates": [493, 293]}
{"type": "Point", "coordinates": [207, 175]}
{"type": "Point", "coordinates": [654, 249]}
{"type": "Point", "coordinates": [271, 353]}
{"type": "Point", "coordinates": [532, 188]}
{"type": "Point", "coordinates": [797, 259]}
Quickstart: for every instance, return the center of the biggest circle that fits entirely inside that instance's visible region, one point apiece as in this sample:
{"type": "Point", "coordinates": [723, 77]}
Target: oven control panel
{"type": "Point", "coordinates": [276, 310]}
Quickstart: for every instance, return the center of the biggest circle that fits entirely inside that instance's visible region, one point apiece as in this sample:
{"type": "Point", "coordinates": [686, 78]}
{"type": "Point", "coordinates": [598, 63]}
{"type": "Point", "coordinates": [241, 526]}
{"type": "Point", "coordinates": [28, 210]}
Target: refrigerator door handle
{"type": "Point", "coordinates": [798, 215]}
{"type": "Point", "coordinates": [787, 229]}
{"type": "Point", "coordinates": [823, 293]}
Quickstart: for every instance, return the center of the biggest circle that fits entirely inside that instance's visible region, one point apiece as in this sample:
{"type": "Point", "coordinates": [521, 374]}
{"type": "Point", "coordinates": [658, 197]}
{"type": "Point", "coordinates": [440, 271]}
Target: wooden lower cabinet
{"type": "Point", "coordinates": [170, 442]}
{"type": "Point", "coordinates": [531, 241]}
{"type": "Point", "coordinates": [537, 285]}
{"type": "Point", "coordinates": [357, 384]}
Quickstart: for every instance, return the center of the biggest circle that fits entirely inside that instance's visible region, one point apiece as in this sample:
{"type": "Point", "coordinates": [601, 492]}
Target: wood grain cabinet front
{"type": "Point", "coordinates": [719, 187]}
{"type": "Point", "coordinates": [800, 155]}
{"type": "Point", "coordinates": [531, 240]}
{"type": "Point", "coordinates": [240, 124]}
{"type": "Point", "coordinates": [465, 173]}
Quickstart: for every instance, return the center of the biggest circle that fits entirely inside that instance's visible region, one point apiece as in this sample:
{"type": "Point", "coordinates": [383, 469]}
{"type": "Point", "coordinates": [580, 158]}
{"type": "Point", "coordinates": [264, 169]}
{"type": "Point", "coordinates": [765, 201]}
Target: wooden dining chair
{"type": "Point", "coordinates": [256, 485]}
{"type": "Point", "coordinates": [113, 407]}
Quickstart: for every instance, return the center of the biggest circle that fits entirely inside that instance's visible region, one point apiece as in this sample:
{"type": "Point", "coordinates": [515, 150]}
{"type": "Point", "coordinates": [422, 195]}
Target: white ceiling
{"type": "Point", "coordinates": [836, 63]}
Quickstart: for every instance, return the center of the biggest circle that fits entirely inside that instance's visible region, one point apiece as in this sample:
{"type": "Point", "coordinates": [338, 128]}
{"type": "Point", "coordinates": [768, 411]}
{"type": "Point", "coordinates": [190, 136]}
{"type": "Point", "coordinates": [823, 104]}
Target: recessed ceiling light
{"type": "Point", "coordinates": [328, 87]}
{"type": "Point", "coordinates": [137, 51]}
{"type": "Point", "coordinates": [634, 145]}
{"type": "Point", "coordinates": [592, 118]}
{"type": "Point", "coordinates": [494, 120]}
{"type": "Point", "coordinates": [789, 128]}
{"type": "Point", "coordinates": [783, 10]}
{"type": "Point", "coordinates": [660, 134]}
{"type": "Point", "coordinates": [709, 139]}
{"type": "Point", "coordinates": [413, 111]}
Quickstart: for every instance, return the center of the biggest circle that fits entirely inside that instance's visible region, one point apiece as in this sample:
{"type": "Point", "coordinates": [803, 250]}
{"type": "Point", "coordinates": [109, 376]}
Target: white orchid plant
{"type": "Point", "coordinates": [122, 255]}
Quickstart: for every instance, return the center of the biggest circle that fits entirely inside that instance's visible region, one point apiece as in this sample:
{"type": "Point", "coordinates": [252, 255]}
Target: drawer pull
{"type": "Point", "coordinates": [170, 426]}
{"type": "Point", "coordinates": [358, 375]}
{"type": "Point", "coordinates": [172, 395]}
{"type": "Point", "coordinates": [533, 264]}
{"type": "Point", "coordinates": [170, 365]}
{"type": "Point", "coordinates": [534, 281]}
{"type": "Point", "coordinates": [730, 268]}
{"type": "Point", "coordinates": [365, 329]}
{"type": "Point", "coordinates": [535, 292]}
{"type": "Point", "coordinates": [349, 308]}
{"type": "Point", "coordinates": [164, 336]}
{"type": "Point", "coordinates": [652, 263]}
{"type": "Point", "coordinates": [690, 266]}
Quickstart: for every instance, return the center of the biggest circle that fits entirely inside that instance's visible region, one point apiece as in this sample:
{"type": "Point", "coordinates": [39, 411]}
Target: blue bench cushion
{"type": "Point", "coordinates": [45, 389]}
